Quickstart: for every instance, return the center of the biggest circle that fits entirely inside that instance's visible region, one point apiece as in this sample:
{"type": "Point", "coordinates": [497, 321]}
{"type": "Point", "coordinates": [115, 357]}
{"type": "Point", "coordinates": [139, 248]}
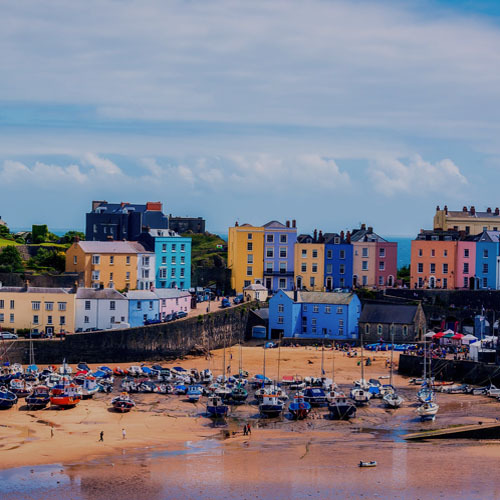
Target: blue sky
{"type": "Point", "coordinates": [329, 112]}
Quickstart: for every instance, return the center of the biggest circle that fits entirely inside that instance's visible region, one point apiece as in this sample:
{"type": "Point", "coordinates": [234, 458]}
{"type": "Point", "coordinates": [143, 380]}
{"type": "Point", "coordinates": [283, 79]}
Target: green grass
{"type": "Point", "coordinates": [62, 246]}
{"type": "Point", "coordinates": [204, 248]}
{"type": "Point", "coordinates": [5, 243]}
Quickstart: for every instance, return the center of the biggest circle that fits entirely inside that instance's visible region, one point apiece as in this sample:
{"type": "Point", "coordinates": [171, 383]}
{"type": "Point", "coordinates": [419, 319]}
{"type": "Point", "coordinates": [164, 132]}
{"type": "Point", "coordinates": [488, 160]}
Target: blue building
{"type": "Point", "coordinates": [279, 255]}
{"type": "Point", "coordinates": [338, 261]}
{"type": "Point", "coordinates": [314, 315]}
{"type": "Point", "coordinates": [122, 221]}
{"type": "Point", "coordinates": [487, 255]}
{"type": "Point", "coordinates": [143, 305]}
{"type": "Point", "coordinates": [172, 255]}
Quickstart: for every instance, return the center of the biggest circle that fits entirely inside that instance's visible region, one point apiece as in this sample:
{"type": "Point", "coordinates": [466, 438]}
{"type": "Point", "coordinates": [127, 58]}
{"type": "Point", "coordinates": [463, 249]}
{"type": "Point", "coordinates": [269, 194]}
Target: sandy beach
{"type": "Point", "coordinates": [176, 440]}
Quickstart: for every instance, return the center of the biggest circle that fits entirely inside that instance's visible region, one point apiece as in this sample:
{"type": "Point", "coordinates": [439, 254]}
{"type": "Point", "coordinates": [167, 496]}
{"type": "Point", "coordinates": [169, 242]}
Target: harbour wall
{"type": "Point", "coordinates": [469, 372]}
{"type": "Point", "coordinates": [146, 343]}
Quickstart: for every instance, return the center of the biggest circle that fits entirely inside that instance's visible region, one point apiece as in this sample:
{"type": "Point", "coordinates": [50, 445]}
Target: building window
{"type": "Point", "coordinates": [12, 304]}
{"type": "Point", "coordinates": [405, 331]}
{"type": "Point", "coordinates": [445, 253]}
{"type": "Point", "coordinates": [364, 280]}
{"type": "Point", "coordinates": [381, 280]}
{"type": "Point", "coordinates": [304, 252]}
{"type": "Point", "coordinates": [315, 268]}
{"type": "Point", "coordinates": [250, 258]}
{"type": "Point", "coordinates": [433, 253]}
{"type": "Point", "coordinates": [61, 306]}
{"type": "Point", "coordinates": [420, 282]}
{"type": "Point", "coordinates": [249, 271]}
{"type": "Point", "coordinates": [86, 319]}
{"type": "Point", "coordinates": [172, 272]}
{"type": "Point", "coordinates": [246, 283]}
{"type": "Point", "coordinates": [145, 317]}
{"type": "Point", "coordinates": [174, 261]}
{"type": "Point", "coordinates": [270, 252]}
{"type": "Point", "coordinates": [112, 305]}
{"type": "Point", "coordinates": [282, 283]}
{"type": "Point", "coordinates": [49, 306]}
{"type": "Point", "coordinates": [341, 322]}
{"type": "Point", "coordinates": [249, 236]}
{"type": "Point", "coordinates": [281, 320]}
{"type": "Point", "coordinates": [269, 267]}
{"type": "Point", "coordinates": [283, 238]}
{"type": "Point", "coordinates": [112, 319]}
{"type": "Point", "coordinates": [315, 254]}
{"type": "Point", "coordinates": [49, 320]}
{"type": "Point", "coordinates": [364, 265]}
{"type": "Point", "coordinates": [342, 282]}
{"type": "Point", "coordinates": [110, 276]}
{"type": "Point", "coordinates": [183, 247]}
{"type": "Point", "coordinates": [35, 306]}
{"type": "Point", "coordinates": [328, 309]}
{"type": "Point", "coordinates": [249, 246]}
{"type": "Point", "coordinates": [2, 318]}
{"type": "Point", "coordinates": [329, 269]}
{"type": "Point", "coordinates": [381, 252]}
{"type": "Point", "coordinates": [270, 238]}
{"type": "Point", "coordinates": [164, 260]}
{"type": "Point", "coordinates": [466, 253]}
{"type": "Point", "coordinates": [96, 259]}
{"type": "Point", "coordinates": [433, 268]}
{"type": "Point", "coordinates": [303, 267]}
{"type": "Point", "coordinates": [182, 272]}
{"type": "Point", "coordinates": [304, 308]}
{"type": "Point", "coordinates": [87, 305]}
{"type": "Point", "coordinates": [485, 254]}
{"type": "Point", "coordinates": [381, 266]}
{"type": "Point", "coordinates": [281, 308]}
{"type": "Point", "coordinates": [75, 260]}
{"type": "Point", "coordinates": [315, 309]}
{"type": "Point", "coordinates": [174, 247]}
{"type": "Point", "coordinates": [139, 305]}
{"type": "Point", "coordinates": [111, 260]}
{"type": "Point", "coordinates": [282, 267]}
{"type": "Point", "coordinates": [420, 253]}
{"type": "Point", "coordinates": [367, 329]}
{"type": "Point", "coordinates": [420, 267]}
{"type": "Point", "coordinates": [340, 310]}
{"type": "Point", "coordinates": [96, 275]}
{"type": "Point", "coordinates": [35, 319]}
{"type": "Point", "coordinates": [163, 273]}
{"type": "Point", "coordinates": [127, 260]}
{"type": "Point", "coordinates": [311, 281]}
{"type": "Point", "coordinates": [11, 318]}
{"type": "Point", "coordinates": [342, 269]}
{"type": "Point", "coordinates": [164, 247]}
{"type": "Point", "coordinates": [342, 254]}
{"type": "Point", "coordinates": [1, 304]}
{"type": "Point", "coordinates": [329, 254]}
{"type": "Point", "coordinates": [445, 268]}
{"type": "Point", "coordinates": [445, 283]}
{"type": "Point", "coordinates": [283, 252]}
{"type": "Point", "coordinates": [466, 268]}
{"type": "Point", "coordinates": [364, 252]}
{"type": "Point", "coordinates": [485, 268]}
{"type": "Point", "coordinates": [379, 330]}
{"type": "Point", "coordinates": [466, 282]}
{"type": "Point", "coordinates": [150, 304]}
{"type": "Point", "coordinates": [485, 282]}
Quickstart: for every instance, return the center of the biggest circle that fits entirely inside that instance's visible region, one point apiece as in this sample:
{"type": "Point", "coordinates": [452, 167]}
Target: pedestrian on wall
{"type": "Point", "coordinates": [101, 436]}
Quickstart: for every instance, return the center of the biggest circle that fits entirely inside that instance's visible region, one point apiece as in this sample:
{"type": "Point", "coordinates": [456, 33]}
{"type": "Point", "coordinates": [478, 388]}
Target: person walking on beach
{"type": "Point", "coordinates": [124, 434]}
{"type": "Point", "coordinates": [245, 433]}
{"type": "Point", "coordinates": [101, 436]}
{"type": "Point", "coordinates": [51, 432]}
{"type": "Point", "coordinates": [249, 431]}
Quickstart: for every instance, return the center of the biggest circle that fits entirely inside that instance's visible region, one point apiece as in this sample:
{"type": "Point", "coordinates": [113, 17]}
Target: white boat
{"type": "Point", "coordinates": [362, 384]}
{"type": "Point", "coordinates": [493, 392]}
{"type": "Point", "coordinates": [392, 400]}
{"type": "Point", "coordinates": [425, 395]}
{"type": "Point", "coordinates": [428, 411]}
{"type": "Point", "coordinates": [65, 369]}
{"type": "Point", "coordinates": [360, 396]}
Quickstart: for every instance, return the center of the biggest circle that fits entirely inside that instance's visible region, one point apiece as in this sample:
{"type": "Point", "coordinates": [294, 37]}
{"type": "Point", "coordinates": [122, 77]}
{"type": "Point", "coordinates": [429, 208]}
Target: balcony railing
{"type": "Point", "coordinates": [283, 274]}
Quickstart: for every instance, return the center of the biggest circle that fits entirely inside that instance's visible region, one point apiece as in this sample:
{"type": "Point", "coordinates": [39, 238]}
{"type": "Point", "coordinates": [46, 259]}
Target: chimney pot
{"type": "Point", "coordinates": [287, 223]}
{"type": "Point", "coordinates": [294, 223]}
{"type": "Point", "coordinates": [315, 235]}
{"type": "Point", "coordinates": [473, 210]}
{"type": "Point", "coordinates": [446, 209]}
{"type": "Point", "coordinates": [342, 235]}
{"type": "Point", "coordinates": [363, 227]}
{"type": "Point", "coordinates": [464, 209]}
{"type": "Point", "coordinates": [370, 229]}
{"type": "Point", "coordinates": [349, 237]}
{"type": "Point", "coordinates": [488, 210]}
{"type": "Point", "coordinates": [497, 211]}
{"type": "Point", "coordinates": [437, 209]}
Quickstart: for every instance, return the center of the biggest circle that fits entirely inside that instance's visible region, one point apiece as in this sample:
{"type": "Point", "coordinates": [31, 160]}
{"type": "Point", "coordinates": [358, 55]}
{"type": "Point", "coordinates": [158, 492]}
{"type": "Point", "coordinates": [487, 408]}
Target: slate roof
{"type": "Point", "coordinates": [162, 233]}
{"type": "Point", "coordinates": [262, 313]}
{"type": "Point", "coordinates": [141, 295]}
{"type": "Point", "coordinates": [335, 298]}
{"type": "Point", "coordinates": [460, 213]}
{"type": "Point", "coordinates": [255, 286]}
{"type": "Point", "coordinates": [276, 224]}
{"type": "Point", "coordinates": [97, 293]}
{"type": "Point", "coordinates": [364, 235]}
{"type": "Point", "coordinates": [170, 293]}
{"type": "Point", "coordinates": [34, 289]}
{"type": "Point", "coordinates": [388, 313]}
{"type": "Point", "coordinates": [112, 247]}
{"type": "Point", "coordinates": [491, 236]}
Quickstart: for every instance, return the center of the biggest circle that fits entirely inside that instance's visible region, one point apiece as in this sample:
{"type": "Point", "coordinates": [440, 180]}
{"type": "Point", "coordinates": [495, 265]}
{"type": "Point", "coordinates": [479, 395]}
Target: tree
{"type": "Point", "coordinates": [48, 259]}
{"type": "Point", "coordinates": [70, 237]}
{"type": "Point", "coordinates": [404, 274]}
{"type": "Point", "coordinates": [10, 260]}
{"type": "Point", "coordinates": [4, 231]}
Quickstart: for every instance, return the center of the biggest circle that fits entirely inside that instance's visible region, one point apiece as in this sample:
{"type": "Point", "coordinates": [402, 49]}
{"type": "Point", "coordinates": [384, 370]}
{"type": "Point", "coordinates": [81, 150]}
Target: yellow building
{"type": "Point", "coordinates": [309, 264]}
{"type": "Point", "coordinates": [468, 220]}
{"type": "Point", "coordinates": [245, 247]}
{"type": "Point", "coordinates": [108, 264]}
{"type": "Point", "coordinates": [48, 310]}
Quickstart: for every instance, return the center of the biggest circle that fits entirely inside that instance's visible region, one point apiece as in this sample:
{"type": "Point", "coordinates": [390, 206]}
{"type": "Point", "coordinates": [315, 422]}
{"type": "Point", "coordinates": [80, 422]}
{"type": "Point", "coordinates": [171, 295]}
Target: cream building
{"type": "Point", "coordinates": [469, 220]}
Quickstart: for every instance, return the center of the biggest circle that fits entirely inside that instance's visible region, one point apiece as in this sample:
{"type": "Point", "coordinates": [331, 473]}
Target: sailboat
{"type": "Point", "coordinates": [271, 406]}
{"type": "Point", "coordinates": [299, 407]}
{"type": "Point", "coordinates": [239, 394]}
{"type": "Point", "coordinates": [428, 410]}
{"type": "Point", "coordinates": [392, 399]}
{"type": "Point", "coordinates": [340, 407]}
{"type": "Point", "coordinates": [361, 393]}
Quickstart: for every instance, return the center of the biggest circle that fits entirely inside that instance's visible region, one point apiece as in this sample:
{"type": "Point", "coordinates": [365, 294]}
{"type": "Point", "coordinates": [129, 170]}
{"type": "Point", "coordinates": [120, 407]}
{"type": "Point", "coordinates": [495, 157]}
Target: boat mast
{"type": "Point", "coordinates": [392, 351]}
{"type": "Point", "coordinates": [333, 366]}
{"type": "Point", "coordinates": [279, 358]}
{"type": "Point", "coordinates": [322, 359]}
{"type": "Point", "coordinates": [425, 359]}
{"type": "Point", "coordinates": [224, 359]}
{"type": "Point", "coordinates": [362, 363]}
{"type": "Point", "coordinates": [264, 369]}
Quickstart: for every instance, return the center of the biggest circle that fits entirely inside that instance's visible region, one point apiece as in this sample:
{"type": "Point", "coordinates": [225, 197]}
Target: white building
{"type": "Point", "coordinates": [146, 263]}
{"type": "Point", "coordinates": [100, 309]}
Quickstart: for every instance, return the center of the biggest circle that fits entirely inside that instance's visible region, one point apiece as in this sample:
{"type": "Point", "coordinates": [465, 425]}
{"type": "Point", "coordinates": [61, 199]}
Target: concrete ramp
{"type": "Point", "coordinates": [474, 431]}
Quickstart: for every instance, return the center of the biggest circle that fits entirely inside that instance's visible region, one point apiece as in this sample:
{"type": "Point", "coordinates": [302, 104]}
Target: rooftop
{"type": "Point", "coordinates": [34, 289]}
{"type": "Point", "coordinates": [388, 313]}
{"type": "Point", "coordinates": [170, 293]}
{"type": "Point", "coordinates": [111, 247]}
{"type": "Point", "coordinates": [334, 298]}
{"type": "Point", "coordinates": [141, 295]}
{"type": "Point", "coordinates": [99, 293]}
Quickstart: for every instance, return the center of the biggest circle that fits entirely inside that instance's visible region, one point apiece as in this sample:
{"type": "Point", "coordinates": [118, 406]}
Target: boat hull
{"type": "Point", "coordinates": [123, 406]}
{"type": "Point", "coordinates": [65, 401]}
{"type": "Point", "coordinates": [37, 403]}
{"type": "Point", "coordinates": [342, 411]}
{"type": "Point", "coordinates": [217, 411]}
{"type": "Point", "coordinates": [270, 411]}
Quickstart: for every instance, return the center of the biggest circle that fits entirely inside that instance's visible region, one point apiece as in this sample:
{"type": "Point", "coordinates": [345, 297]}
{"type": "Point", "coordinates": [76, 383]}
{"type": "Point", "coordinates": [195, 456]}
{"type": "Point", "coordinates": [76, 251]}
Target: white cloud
{"type": "Point", "coordinates": [392, 176]}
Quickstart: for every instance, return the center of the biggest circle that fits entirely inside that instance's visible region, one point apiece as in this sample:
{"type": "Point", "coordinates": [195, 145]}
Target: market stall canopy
{"type": "Point", "coordinates": [438, 335]}
{"type": "Point", "coordinates": [447, 332]}
{"type": "Point", "coordinates": [449, 335]}
{"type": "Point", "coordinates": [429, 334]}
{"type": "Point", "coordinates": [457, 336]}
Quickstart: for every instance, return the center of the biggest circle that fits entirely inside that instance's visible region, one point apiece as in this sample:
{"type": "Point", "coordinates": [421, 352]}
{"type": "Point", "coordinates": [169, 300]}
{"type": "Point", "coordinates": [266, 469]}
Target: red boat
{"type": "Point", "coordinates": [123, 403]}
{"type": "Point", "coordinates": [120, 372]}
{"type": "Point", "coordinates": [68, 397]}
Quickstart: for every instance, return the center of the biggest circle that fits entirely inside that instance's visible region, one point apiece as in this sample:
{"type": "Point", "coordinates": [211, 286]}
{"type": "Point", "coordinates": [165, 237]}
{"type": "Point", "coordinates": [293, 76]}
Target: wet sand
{"type": "Point", "coordinates": [173, 451]}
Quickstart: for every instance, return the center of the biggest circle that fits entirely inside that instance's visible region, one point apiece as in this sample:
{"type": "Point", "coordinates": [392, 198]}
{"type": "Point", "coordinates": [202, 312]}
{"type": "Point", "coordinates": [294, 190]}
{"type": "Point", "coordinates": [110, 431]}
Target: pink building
{"type": "Point", "coordinates": [386, 265]}
{"type": "Point", "coordinates": [465, 268]}
{"type": "Point", "coordinates": [172, 300]}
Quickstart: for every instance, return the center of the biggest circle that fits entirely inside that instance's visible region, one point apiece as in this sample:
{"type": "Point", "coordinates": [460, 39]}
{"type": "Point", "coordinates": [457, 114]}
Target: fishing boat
{"type": "Point", "coordinates": [134, 371]}
{"type": "Point", "coordinates": [68, 397]}
{"type": "Point", "coordinates": [123, 403]}
{"type": "Point", "coordinates": [271, 406]}
{"type": "Point", "coordinates": [239, 394]}
{"type": "Point", "coordinates": [89, 387]}
{"type": "Point", "coordinates": [360, 396]}
{"type": "Point", "coordinates": [39, 398]}
{"type": "Point", "coordinates": [299, 407]}
{"type": "Point", "coordinates": [428, 411]}
{"type": "Point", "coordinates": [20, 387]}
{"type": "Point", "coordinates": [206, 376]}
{"type": "Point", "coordinates": [119, 372]}
{"type": "Point", "coordinates": [215, 407]}
{"type": "Point", "coordinates": [389, 396]}
{"type": "Point", "coordinates": [7, 398]}
{"type": "Point", "coordinates": [65, 369]}
{"type": "Point", "coordinates": [393, 400]}
{"type": "Point", "coordinates": [371, 463]}
{"type": "Point", "coordinates": [341, 408]}
{"type": "Point", "coordinates": [194, 393]}
{"type": "Point", "coordinates": [315, 396]}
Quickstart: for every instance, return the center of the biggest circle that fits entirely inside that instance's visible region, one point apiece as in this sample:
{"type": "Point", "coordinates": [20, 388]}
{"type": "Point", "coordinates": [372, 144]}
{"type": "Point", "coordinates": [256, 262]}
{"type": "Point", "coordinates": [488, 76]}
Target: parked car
{"type": "Point", "coordinates": [225, 302]}
{"type": "Point", "coordinates": [8, 335]}
{"type": "Point", "coordinates": [152, 321]}
{"type": "Point", "coordinates": [180, 314]}
{"type": "Point", "coordinates": [168, 317]}
{"type": "Point", "coordinates": [238, 299]}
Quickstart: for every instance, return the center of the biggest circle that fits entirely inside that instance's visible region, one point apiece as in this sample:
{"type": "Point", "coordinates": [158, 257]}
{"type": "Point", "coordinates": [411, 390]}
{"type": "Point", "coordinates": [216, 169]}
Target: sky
{"type": "Point", "coordinates": [333, 113]}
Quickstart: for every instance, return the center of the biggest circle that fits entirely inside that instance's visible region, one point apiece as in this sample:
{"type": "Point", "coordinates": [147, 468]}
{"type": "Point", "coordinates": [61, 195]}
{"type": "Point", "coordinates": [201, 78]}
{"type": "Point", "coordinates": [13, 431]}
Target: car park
{"type": "Point", "coordinates": [180, 314]}
{"type": "Point", "coordinates": [8, 336]}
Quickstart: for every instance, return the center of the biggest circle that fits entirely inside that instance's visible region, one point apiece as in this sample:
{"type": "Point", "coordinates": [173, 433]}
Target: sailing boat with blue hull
{"type": "Point", "coordinates": [299, 407]}
{"type": "Point", "coordinates": [7, 398]}
{"type": "Point", "coordinates": [39, 398]}
{"type": "Point", "coordinates": [426, 395]}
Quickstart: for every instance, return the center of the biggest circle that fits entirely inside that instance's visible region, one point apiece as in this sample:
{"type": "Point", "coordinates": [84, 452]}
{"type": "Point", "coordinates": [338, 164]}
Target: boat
{"type": "Point", "coordinates": [194, 393]}
{"type": "Point", "coordinates": [360, 396]}
{"type": "Point", "coordinates": [393, 400]}
{"type": "Point", "coordinates": [271, 406]}
{"type": "Point", "coordinates": [239, 394]}
{"type": "Point", "coordinates": [39, 398]}
{"type": "Point", "coordinates": [65, 369]}
{"type": "Point", "coordinates": [206, 376]}
{"type": "Point", "coordinates": [315, 396]}
{"type": "Point", "coordinates": [299, 407]}
{"type": "Point", "coordinates": [123, 403]}
{"type": "Point", "coordinates": [134, 371]}
{"type": "Point", "coordinates": [89, 387]}
{"type": "Point", "coordinates": [20, 388]}
{"type": "Point", "coordinates": [68, 397]}
{"type": "Point", "coordinates": [119, 372]}
{"type": "Point", "coordinates": [492, 391]}
{"type": "Point", "coordinates": [428, 411]}
{"type": "Point", "coordinates": [372, 463]}
{"type": "Point", "coordinates": [341, 408]}
{"type": "Point", "coordinates": [425, 394]}
{"type": "Point", "coordinates": [216, 408]}
{"type": "Point", "coordinates": [7, 398]}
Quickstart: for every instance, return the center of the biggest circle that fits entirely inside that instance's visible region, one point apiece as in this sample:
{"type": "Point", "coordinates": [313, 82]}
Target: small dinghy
{"type": "Point", "coordinates": [123, 403]}
{"type": "Point", "coordinates": [372, 463]}
{"type": "Point", "coordinates": [393, 400]}
{"type": "Point", "coordinates": [39, 398]}
{"type": "Point", "coordinates": [7, 398]}
{"type": "Point", "coordinates": [360, 396]}
{"type": "Point", "coordinates": [428, 411]}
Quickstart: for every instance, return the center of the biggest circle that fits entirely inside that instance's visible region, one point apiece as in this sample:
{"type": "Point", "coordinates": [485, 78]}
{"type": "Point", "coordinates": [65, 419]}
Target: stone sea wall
{"type": "Point", "coordinates": [147, 343]}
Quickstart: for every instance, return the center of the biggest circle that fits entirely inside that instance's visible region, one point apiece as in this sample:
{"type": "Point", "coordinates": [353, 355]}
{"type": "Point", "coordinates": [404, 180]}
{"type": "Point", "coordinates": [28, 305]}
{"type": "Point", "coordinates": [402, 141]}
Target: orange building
{"type": "Point", "coordinates": [433, 259]}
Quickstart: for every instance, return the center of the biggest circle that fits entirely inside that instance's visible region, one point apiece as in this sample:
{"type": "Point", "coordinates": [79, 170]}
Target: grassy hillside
{"type": "Point", "coordinates": [204, 251]}
{"type": "Point", "coordinates": [4, 242]}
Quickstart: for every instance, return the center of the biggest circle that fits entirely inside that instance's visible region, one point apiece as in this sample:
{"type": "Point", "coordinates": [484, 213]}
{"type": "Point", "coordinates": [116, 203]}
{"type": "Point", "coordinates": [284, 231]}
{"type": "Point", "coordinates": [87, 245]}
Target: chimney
{"type": "Point", "coordinates": [96, 203]}
{"type": "Point", "coordinates": [437, 209]}
{"type": "Point", "coordinates": [236, 224]}
{"type": "Point", "coordinates": [348, 237]}
{"type": "Point", "coordinates": [315, 235]}
{"type": "Point", "coordinates": [77, 239]}
{"type": "Point", "coordinates": [497, 211]}
{"type": "Point", "coordinates": [287, 223]}
{"type": "Point", "coordinates": [464, 209]}
{"type": "Point", "coordinates": [370, 229]}
{"type": "Point", "coordinates": [75, 287]}
{"type": "Point", "coordinates": [473, 210]}
{"type": "Point", "coordinates": [446, 209]}
{"type": "Point", "coordinates": [295, 294]}
{"type": "Point", "coordinates": [341, 235]}
{"type": "Point", "coordinates": [320, 238]}
{"type": "Point", "coordinates": [488, 210]}
{"type": "Point", "coordinates": [26, 285]}
{"type": "Point", "coordinates": [294, 223]}
{"type": "Point", "coordinates": [363, 227]}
